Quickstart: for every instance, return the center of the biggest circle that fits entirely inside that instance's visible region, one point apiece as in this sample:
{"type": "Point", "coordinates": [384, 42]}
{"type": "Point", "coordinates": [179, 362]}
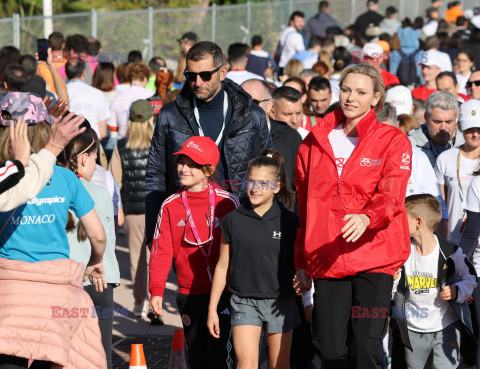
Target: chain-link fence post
{"type": "Point", "coordinates": [249, 18]}
{"type": "Point", "coordinates": [290, 7]}
{"type": "Point", "coordinates": [401, 10]}
{"type": "Point", "coordinates": [94, 22]}
{"type": "Point", "coordinates": [353, 5]}
{"type": "Point", "coordinates": [150, 32]}
{"type": "Point", "coordinates": [416, 7]}
{"type": "Point", "coordinates": [214, 21]}
{"type": "Point", "coordinates": [16, 30]}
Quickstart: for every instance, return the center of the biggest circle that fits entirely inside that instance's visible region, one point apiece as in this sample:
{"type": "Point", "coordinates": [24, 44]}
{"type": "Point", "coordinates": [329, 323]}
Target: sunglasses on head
{"type": "Point", "coordinates": [469, 84]}
{"type": "Point", "coordinates": [257, 102]}
{"type": "Point", "coordinates": [205, 76]}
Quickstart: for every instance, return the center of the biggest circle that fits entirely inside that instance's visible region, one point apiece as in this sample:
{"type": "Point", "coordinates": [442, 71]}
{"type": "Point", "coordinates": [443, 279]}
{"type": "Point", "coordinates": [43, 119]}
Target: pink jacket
{"type": "Point", "coordinates": [46, 315]}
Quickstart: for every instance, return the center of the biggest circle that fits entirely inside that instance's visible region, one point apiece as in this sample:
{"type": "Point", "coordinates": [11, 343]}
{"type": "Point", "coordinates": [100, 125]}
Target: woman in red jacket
{"type": "Point", "coordinates": [351, 176]}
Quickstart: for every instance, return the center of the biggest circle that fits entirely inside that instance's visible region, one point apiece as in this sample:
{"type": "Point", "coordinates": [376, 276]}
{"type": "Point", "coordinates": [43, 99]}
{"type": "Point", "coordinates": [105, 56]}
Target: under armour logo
{"type": "Point", "coordinates": [277, 235]}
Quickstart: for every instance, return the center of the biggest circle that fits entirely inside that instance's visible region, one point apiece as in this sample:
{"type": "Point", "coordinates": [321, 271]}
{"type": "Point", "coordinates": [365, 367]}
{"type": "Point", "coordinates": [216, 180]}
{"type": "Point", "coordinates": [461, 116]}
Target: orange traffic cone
{"type": "Point", "coordinates": [137, 357]}
{"type": "Point", "coordinates": [177, 357]}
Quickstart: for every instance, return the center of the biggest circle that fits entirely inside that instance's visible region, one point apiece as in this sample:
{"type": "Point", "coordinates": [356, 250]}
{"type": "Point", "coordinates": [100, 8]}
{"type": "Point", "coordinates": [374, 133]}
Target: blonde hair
{"type": "Point", "coordinates": [139, 134]}
{"type": "Point", "coordinates": [293, 68]}
{"type": "Point", "coordinates": [424, 206]}
{"type": "Point", "coordinates": [182, 65]}
{"type": "Point", "coordinates": [406, 123]}
{"type": "Point", "coordinates": [326, 57]}
{"type": "Point", "coordinates": [377, 81]}
{"type": "Point", "coordinates": [38, 135]}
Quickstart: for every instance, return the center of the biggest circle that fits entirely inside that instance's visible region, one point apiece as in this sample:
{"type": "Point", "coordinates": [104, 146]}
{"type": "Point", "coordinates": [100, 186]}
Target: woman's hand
{"type": "Point", "coordinates": [213, 324]}
{"type": "Point", "coordinates": [59, 109]}
{"type": "Point", "coordinates": [355, 227]}
{"type": "Point", "coordinates": [96, 275]}
{"type": "Point", "coordinates": [301, 282]}
{"type": "Point", "coordinates": [156, 305]}
{"type": "Point", "coordinates": [19, 142]}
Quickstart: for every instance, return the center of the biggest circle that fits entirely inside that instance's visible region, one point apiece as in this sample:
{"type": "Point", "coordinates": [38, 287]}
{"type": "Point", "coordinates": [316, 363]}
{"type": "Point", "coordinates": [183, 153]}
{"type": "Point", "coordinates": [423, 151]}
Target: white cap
{"type": "Point", "coordinates": [341, 40]}
{"type": "Point", "coordinates": [432, 57]}
{"type": "Point", "coordinates": [401, 98]}
{"type": "Point", "coordinates": [372, 50]}
{"type": "Point", "coordinates": [470, 114]}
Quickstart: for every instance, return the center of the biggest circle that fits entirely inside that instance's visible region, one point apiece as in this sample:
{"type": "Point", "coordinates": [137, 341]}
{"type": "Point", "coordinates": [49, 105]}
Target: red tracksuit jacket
{"type": "Point", "coordinates": [168, 242]}
{"type": "Point", "coordinates": [373, 181]}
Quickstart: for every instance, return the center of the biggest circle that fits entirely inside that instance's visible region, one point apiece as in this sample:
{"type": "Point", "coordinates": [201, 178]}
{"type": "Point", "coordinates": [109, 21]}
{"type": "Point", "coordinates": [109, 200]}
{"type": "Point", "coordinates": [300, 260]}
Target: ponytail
{"type": "Point", "coordinates": [274, 161]}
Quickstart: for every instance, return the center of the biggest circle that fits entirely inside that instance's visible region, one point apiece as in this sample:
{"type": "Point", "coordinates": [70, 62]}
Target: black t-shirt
{"type": "Point", "coordinates": [261, 251]}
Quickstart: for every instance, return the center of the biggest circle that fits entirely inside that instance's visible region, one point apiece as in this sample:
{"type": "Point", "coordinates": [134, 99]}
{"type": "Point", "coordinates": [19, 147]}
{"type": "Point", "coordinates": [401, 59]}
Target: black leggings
{"type": "Point", "coordinates": [12, 362]}
{"type": "Point", "coordinates": [103, 302]}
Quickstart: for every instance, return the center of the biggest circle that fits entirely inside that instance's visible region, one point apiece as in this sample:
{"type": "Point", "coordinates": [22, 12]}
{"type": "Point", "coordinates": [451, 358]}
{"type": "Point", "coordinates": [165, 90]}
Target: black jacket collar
{"type": "Point", "coordinates": [274, 212]}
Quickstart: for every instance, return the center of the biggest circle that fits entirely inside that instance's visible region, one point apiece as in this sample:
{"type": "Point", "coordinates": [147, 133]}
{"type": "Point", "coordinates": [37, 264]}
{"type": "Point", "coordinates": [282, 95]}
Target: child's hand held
{"type": "Point", "coordinates": [448, 293]}
{"type": "Point", "coordinates": [156, 305]}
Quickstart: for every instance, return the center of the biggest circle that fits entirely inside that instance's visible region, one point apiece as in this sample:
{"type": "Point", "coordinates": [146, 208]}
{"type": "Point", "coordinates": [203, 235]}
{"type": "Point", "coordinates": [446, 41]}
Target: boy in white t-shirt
{"type": "Point", "coordinates": [431, 290]}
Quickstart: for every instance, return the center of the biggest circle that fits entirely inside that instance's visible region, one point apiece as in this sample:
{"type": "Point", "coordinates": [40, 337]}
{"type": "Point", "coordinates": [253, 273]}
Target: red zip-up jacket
{"type": "Point", "coordinates": [373, 182]}
{"type": "Point", "coordinates": [169, 243]}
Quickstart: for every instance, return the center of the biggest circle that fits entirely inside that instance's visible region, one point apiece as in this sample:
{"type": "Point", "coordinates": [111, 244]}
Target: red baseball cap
{"type": "Point", "coordinates": [202, 150]}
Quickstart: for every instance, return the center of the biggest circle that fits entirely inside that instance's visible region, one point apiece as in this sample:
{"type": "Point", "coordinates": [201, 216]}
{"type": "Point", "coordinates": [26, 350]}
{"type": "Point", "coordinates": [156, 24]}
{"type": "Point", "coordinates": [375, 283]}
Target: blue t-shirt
{"type": "Point", "coordinates": [36, 230]}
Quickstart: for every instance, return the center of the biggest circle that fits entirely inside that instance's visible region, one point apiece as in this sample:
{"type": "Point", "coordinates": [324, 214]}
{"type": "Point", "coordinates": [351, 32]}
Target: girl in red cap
{"type": "Point", "coordinates": [187, 231]}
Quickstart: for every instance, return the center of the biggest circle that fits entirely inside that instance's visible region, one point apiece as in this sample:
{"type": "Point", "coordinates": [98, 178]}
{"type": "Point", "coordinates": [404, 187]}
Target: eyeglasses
{"type": "Point", "coordinates": [205, 76]}
{"type": "Point", "coordinates": [469, 84]}
{"type": "Point", "coordinates": [257, 102]}
{"type": "Point", "coordinates": [210, 237]}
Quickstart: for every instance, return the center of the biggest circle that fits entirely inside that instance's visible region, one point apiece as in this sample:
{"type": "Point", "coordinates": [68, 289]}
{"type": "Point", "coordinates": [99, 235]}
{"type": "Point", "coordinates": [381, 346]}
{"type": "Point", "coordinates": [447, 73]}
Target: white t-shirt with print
{"type": "Point", "coordinates": [425, 309]}
{"type": "Point", "coordinates": [472, 203]}
{"type": "Point", "coordinates": [342, 146]}
{"type": "Point", "coordinates": [446, 172]}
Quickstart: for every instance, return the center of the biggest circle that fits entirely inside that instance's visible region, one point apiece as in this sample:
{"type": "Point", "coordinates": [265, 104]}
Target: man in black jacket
{"type": "Point", "coordinates": [285, 139]}
{"type": "Point", "coordinates": [208, 105]}
{"type": "Point", "coordinates": [371, 16]}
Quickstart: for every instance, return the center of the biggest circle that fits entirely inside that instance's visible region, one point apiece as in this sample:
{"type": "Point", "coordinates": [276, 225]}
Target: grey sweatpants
{"type": "Point", "coordinates": [444, 346]}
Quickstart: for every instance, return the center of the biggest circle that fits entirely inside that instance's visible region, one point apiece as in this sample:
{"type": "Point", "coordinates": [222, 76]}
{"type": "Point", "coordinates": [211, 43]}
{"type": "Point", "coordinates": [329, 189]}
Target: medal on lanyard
{"type": "Point", "coordinates": [211, 222]}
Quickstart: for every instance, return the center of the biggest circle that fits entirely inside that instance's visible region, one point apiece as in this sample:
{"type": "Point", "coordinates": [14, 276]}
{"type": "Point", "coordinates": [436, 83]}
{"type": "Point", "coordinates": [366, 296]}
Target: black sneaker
{"type": "Point", "coordinates": [154, 320]}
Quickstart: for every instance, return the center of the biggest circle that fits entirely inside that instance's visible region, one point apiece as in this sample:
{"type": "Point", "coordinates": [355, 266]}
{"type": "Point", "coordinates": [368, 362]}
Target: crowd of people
{"type": "Point", "coordinates": [320, 199]}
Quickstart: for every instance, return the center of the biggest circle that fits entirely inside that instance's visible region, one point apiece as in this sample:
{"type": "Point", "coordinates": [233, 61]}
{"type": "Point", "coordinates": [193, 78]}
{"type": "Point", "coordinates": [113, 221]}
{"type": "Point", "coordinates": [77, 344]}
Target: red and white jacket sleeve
{"type": "Point", "coordinates": [301, 184]}
{"type": "Point", "coordinates": [161, 254]}
{"type": "Point", "coordinates": [389, 197]}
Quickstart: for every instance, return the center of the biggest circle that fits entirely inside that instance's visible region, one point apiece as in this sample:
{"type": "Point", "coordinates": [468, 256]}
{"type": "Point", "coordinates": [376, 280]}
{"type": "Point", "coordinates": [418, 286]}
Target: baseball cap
{"type": "Point", "coordinates": [140, 111]}
{"type": "Point", "coordinates": [36, 85]}
{"type": "Point", "coordinates": [469, 116]}
{"type": "Point", "coordinates": [430, 58]}
{"type": "Point", "coordinates": [188, 36]}
{"type": "Point", "coordinates": [372, 50]}
{"type": "Point", "coordinates": [202, 150]}
{"type": "Point", "coordinates": [23, 104]}
{"type": "Point", "coordinates": [401, 98]}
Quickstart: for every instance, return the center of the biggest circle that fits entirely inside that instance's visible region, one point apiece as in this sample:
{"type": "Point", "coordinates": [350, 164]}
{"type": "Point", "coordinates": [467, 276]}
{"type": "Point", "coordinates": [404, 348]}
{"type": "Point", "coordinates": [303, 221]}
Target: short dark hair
{"type": "Point", "coordinates": [56, 40]}
{"type": "Point", "coordinates": [322, 5]}
{"type": "Point", "coordinates": [237, 52]}
{"type": "Point", "coordinates": [78, 43]}
{"type": "Point", "coordinates": [391, 10]}
{"type": "Point", "coordinates": [296, 13]}
{"type": "Point", "coordinates": [257, 40]}
{"type": "Point", "coordinates": [371, 2]}
{"type": "Point", "coordinates": [94, 46]}
{"type": "Point", "coordinates": [74, 69]}
{"type": "Point", "coordinates": [315, 41]}
{"type": "Point", "coordinates": [288, 93]}
{"type": "Point", "coordinates": [461, 21]}
{"type": "Point", "coordinates": [156, 63]}
{"type": "Point", "coordinates": [424, 206]}
{"type": "Point", "coordinates": [202, 49]}
{"type": "Point", "coordinates": [333, 31]}
{"type": "Point", "coordinates": [29, 64]}
{"type": "Point", "coordinates": [447, 74]}
{"type": "Point", "coordinates": [134, 56]}
{"type": "Point", "coordinates": [15, 77]}
{"type": "Point", "coordinates": [319, 83]}
{"type": "Point", "coordinates": [328, 41]}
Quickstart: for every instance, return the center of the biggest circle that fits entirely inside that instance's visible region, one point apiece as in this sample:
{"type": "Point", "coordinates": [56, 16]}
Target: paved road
{"type": "Point", "coordinates": [157, 340]}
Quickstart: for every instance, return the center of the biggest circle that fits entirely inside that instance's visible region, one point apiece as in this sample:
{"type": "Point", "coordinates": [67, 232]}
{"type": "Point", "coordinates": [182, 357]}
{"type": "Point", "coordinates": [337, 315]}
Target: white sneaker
{"type": "Point", "coordinates": [140, 310]}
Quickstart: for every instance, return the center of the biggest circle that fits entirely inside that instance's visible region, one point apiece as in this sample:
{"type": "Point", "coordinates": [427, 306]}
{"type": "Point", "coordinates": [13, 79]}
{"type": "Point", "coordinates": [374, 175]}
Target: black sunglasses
{"type": "Point", "coordinates": [205, 76]}
{"type": "Point", "coordinates": [257, 102]}
{"type": "Point", "coordinates": [470, 83]}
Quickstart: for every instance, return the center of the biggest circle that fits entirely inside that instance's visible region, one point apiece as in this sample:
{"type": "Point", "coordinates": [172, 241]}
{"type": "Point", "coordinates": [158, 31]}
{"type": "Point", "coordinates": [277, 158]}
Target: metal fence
{"type": "Point", "coordinates": [154, 31]}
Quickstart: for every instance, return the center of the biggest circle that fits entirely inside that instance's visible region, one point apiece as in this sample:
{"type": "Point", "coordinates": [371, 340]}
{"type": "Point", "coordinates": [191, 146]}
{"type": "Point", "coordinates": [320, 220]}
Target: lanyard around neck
{"type": "Point", "coordinates": [197, 117]}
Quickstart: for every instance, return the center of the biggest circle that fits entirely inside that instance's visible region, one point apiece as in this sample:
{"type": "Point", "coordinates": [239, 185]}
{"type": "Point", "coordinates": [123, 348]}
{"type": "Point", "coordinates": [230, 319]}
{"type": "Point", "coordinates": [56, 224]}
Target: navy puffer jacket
{"type": "Point", "coordinates": [246, 134]}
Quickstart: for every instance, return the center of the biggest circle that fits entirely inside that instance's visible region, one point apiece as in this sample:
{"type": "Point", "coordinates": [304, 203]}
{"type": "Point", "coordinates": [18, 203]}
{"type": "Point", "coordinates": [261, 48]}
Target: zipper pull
{"type": "Point", "coordinates": [339, 187]}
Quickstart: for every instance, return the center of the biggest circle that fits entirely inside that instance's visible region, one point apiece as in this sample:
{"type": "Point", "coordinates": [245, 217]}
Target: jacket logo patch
{"type": "Point", "coordinates": [194, 146]}
{"type": "Point", "coordinates": [406, 159]}
{"type": "Point", "coordinates": [367, 162]}
{"type": "Point", "coordinates": [277, 235]}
